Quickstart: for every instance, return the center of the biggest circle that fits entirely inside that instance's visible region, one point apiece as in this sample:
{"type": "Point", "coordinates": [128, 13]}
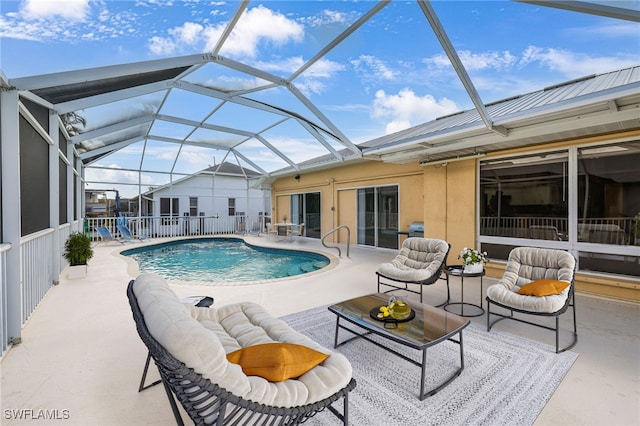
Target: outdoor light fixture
{"type": "Point", "coordinates": [443, 162]}
{"type": "Point", "coordinates": [297, 177]}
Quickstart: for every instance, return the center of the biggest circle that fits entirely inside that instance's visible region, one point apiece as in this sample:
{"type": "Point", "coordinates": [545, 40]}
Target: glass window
{"type": "Point", "coordinates": [609, 194]}
{"type": "Point", "coordinates": [232, 206]}
{"type": "Point", "coordinates": [525, 197]}
{"type": "Point", "coordinates": [609, 263]}
{"type": "Point", "coordinates": [193, 206]}
{"type": "Point", "coordinates": [169, 207]}
{"type": "Point", "coordinates": [169, 210]}
{"type": "Point", "coordinates": [305, 208]}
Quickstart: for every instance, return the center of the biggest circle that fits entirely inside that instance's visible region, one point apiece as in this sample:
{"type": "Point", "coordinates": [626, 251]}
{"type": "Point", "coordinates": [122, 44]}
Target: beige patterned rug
{"type": "Point", "coordinates": [507, 379]}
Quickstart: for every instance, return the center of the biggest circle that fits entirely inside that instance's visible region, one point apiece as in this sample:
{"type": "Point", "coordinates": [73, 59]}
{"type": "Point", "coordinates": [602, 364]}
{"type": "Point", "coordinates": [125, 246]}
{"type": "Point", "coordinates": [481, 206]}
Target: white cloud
{"type": "Point", "coordinates": [473, 61]}
{"type": "Point", "coordinates": [374, 69]}
{"type": "Point", "coordinates": [188, 33]}
{"type": "Point", "coordinates": [196, 157]}
{"type": "Point", "coordinates": [19, 30]}
{"type": "Point", "coordinates": [487, 60]}
{"type": "Point", "coordinates": [610, 30]}
{"type": "Point", "coordinates": [257, 25]}
{"type": "Point", "coordinates": [111, 175]}
{"type": "Point", "coordinates": [75, 10]}
{"type": "Point", "coordinates": [328, 17]}
{"type": "Point", "coordinates": [569, 63]}
{"type": "Point", "coordinates": [573, 64]}
{"type": "Point", "coordinates": [70, 21]}
{"type": "Point", "coordinates": [406, 109]}
{"type": "Point", "coordinates": [162, 46]}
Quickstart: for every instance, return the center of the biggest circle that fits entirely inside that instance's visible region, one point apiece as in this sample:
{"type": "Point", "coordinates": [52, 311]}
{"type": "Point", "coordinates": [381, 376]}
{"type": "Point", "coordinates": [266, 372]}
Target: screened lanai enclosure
{"type": "Point", "coordinates": [210, 105]}
{"type": "Point", "coordinates": [157, 132]}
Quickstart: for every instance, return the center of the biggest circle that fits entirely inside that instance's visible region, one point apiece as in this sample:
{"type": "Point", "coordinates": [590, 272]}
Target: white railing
{"type": "Point", "coordinates": [4, 324]}
{"type": "Point", "coordinates": [36, 252]}
{"type": "Point", "coordinates": [179, 226]}
{"type": "Point", "coordinates": [64, 232]}
{"type": "Point", "coordinates": [521, 227]}
{"type": "Point", "coordinates": [610, 230]}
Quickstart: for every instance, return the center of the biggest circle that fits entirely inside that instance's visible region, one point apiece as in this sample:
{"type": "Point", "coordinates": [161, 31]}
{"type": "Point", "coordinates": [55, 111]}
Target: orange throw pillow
{"type": "Point", "coordinates": [543, 288]}
{"type": "Point", "coordinates": [276, 362]}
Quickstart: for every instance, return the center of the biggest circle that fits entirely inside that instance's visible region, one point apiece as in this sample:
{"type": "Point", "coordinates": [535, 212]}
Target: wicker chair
{"type": "Point", "coordinates": [207, 403]}
{"type": "Point", "coordinates": [527, 264]}
{"type": "Point", "coordinates": [420, 262]}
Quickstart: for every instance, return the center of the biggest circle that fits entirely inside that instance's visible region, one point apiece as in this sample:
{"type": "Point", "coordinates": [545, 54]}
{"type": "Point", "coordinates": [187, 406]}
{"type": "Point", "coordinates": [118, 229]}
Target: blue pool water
{"type": "Point", "coordinates": [223, 260]}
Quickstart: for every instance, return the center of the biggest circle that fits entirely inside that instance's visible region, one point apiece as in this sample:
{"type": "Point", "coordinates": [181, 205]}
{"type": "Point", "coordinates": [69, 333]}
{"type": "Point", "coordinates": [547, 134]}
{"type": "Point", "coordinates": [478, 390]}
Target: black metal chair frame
{"type": "Point", "coordinates": [202, 399]}
{"type": "Point", "coordinates": [431, 280]}
{"type": "Point", "coordinates": [570, 302]}
{"type": "Point", "coordinates": [205, 302]}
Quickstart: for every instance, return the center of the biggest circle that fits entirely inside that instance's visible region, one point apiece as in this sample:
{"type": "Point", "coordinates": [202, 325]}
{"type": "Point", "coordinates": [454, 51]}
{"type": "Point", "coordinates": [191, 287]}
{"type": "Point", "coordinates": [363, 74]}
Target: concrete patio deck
{"type": "Point", "coordinates": [80, 359]}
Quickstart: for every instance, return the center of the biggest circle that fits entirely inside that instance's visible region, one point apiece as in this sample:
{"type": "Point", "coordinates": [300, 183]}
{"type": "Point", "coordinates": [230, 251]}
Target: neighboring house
{"type": "Point", "coordinates": [222, 196]}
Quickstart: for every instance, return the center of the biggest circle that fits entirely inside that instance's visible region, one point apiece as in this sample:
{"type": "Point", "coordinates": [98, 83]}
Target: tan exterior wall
{"type": "Point", "coordinates": [443, 197]}
{"type": "Point", "coordinates": [450, 204]}
{"type": "Point", "coordinates": [338, 187]}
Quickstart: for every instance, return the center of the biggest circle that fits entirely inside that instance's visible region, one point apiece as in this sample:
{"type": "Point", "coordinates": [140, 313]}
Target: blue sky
{"type": "Point", "coordinates": [390, 74]}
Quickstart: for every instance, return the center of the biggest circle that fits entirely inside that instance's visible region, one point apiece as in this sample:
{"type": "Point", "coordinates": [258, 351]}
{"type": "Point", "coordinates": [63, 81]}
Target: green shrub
{"type": "Point", "coordinates": [77, 249]}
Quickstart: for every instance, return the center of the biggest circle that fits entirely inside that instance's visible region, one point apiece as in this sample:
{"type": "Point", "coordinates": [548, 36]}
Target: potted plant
{"type": "Point", "coordinates": [77, 251]}
{"type": "Point", "coordinates": [473, 260]}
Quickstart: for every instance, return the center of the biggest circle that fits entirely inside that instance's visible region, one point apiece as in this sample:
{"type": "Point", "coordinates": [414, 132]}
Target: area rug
{"type": "Point", "coordinates": [507, 379]}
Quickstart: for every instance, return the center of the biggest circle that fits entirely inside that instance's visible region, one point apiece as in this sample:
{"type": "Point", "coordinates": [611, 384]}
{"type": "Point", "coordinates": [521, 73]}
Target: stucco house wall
{"type": "Point", "coordinates": [444, 197]}
{"type": "Point", "coordinates": [338, 188]}
{"type": "Point", "coordinates": [213, 193]}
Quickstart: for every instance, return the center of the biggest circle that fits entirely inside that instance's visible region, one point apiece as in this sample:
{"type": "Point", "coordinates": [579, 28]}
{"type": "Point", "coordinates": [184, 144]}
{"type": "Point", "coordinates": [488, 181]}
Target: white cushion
{"type": "Point", "coordinates": [418, 260]}
{"type": "Point", "coordinates": [527, 264]}
{"type": "Point", "coordinates": [201, 338]}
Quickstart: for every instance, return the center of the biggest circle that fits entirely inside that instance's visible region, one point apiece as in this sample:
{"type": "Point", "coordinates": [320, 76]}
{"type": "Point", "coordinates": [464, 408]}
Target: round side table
{"type": "Point", "coordinates": [458, 308]}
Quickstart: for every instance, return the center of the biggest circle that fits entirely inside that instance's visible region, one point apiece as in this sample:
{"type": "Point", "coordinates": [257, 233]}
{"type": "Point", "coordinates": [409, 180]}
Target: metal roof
{"type": "Point", "coordinates": [176, 102]}
{"type": "Point", "coordinates": [595, 104]}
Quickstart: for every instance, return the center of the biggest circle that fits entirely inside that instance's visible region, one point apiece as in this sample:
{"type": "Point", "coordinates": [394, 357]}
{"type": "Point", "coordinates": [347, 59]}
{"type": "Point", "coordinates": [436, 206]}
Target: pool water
{"type": "Point", "coordinates": [223, 260]}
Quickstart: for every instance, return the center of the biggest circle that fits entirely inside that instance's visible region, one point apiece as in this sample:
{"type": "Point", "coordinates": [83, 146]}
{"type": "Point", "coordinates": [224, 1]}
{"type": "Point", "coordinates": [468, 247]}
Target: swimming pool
{"type": "Point", "coordinates": [218, 260]}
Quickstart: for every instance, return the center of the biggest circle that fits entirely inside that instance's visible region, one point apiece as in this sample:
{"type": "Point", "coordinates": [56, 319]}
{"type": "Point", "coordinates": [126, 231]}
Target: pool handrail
{"type": "Point", "coordinates": [337, 228]}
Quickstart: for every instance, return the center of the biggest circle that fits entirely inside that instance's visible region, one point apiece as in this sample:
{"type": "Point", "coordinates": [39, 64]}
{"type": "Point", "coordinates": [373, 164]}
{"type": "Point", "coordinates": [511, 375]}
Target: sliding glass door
{"type": "Point", "coordinates": [305, 208]}
{"type": "Point", "coordinates": [378, 216]}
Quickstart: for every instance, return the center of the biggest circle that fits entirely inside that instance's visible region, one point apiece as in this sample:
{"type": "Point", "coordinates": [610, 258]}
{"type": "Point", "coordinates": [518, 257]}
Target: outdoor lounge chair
{"type": "Point", "coordinates": [548, 275]}
{"type": "Point", "coordinates": [106, 236]}
{"type": "Point", "coordinates": [197, 301]}
{"type": "Point", "coordinates": [297, 230]}
{"type": "Point", "coordinates": [272, 231]}
{"type": "Point", "coordinates": [189, 345]}
{"type": "Point", "coordinates": [126, 235]}
{"type": "Point", "coordinates": [420, 262]}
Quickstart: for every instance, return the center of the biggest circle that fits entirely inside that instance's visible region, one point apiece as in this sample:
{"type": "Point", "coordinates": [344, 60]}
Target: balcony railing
{"type": "Point", "coordinates": [4, 333]}
{"type": "Point", "coordinates": [610, 230]}
{"type": "Point", "coordinates": [180, 226]}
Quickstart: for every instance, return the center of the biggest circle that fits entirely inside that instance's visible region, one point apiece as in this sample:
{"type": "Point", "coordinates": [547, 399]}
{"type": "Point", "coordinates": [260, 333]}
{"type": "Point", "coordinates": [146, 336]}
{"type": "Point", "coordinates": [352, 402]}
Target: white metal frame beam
{"type": "Point", "coordinates": [452, 54]}
{"type": "Point", "coordinates": [110, 97]}
{"type": "Point", "coordinates": [102, 131]}
{"type": "Point", "coordinates": [111, 71]}
{"type": "Point", "coordinates": [590, 8]}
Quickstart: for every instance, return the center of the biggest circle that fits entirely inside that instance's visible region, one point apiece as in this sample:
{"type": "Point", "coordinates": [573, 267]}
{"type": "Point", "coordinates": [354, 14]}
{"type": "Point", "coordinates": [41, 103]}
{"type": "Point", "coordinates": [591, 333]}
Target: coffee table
{"type": "Point", "coordinates": [429, 327]}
